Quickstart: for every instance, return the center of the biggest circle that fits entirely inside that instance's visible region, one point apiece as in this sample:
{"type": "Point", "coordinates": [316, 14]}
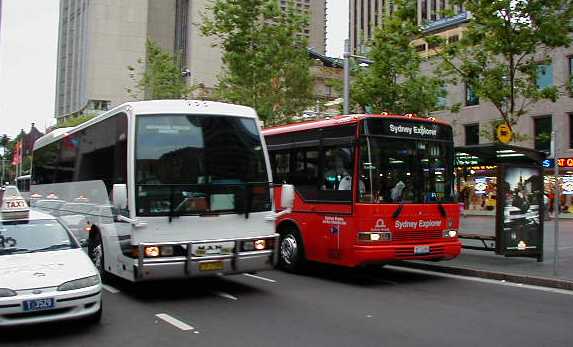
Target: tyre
{"type": "Point", "coordinates": [291, 250]}
{"type": "Point", "coordinates": [96, 254]}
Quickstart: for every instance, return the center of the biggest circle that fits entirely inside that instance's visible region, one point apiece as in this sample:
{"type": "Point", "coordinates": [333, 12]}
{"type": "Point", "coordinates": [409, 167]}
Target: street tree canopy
{"type": "Point", "coordinates": [162, 77]}
{"type": "Point", "coordinates": [393, 82]}
{"type": "Point", "coordinates": [266, 65]}
{"type": "Point", "coordinates": [505, 50]}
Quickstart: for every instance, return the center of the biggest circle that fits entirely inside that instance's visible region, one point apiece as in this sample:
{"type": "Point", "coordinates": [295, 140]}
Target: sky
{"type": "Point", "coordinates": [28, 54]}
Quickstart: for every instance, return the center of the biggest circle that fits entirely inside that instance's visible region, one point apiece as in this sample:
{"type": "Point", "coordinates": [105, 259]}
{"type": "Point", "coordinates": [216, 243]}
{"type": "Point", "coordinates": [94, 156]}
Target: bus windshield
{"type": "Point", "coordinates": [395, 170]}
{"type": "Point", "coordinates": [194, 164]}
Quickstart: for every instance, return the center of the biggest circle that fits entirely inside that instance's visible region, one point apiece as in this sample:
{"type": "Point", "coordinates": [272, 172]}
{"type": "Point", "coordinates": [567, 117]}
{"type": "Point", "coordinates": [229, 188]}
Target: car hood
{"type": "Point", "coordinates": [44, 269]}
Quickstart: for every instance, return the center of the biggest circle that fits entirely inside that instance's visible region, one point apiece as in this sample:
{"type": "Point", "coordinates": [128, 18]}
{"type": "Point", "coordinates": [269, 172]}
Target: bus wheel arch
{"type": "Point", "coordinates": [291, 246]}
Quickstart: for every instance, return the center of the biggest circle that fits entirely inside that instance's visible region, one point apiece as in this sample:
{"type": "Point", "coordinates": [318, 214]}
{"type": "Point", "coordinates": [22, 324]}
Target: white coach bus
{"type": "Point", "coordinates": [189, 187]}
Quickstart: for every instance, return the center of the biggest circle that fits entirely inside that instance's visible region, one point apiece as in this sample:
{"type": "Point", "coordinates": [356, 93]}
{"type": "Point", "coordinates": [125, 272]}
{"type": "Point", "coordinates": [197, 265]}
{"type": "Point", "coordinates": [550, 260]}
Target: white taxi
{"type": "Point", "coordinates": [44, 273]}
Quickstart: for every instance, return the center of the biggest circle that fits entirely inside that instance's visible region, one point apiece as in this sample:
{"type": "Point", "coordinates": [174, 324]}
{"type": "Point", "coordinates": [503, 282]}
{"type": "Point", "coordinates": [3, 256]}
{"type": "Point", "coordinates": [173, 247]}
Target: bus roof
{"type": "Point", "coordinates": [340, 120]}
{"type": "Point", "coordinates": [155, 107]}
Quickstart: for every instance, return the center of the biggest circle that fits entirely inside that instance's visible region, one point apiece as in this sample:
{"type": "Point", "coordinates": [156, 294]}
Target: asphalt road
{"type": "Point", "coordinates": [325, 307]}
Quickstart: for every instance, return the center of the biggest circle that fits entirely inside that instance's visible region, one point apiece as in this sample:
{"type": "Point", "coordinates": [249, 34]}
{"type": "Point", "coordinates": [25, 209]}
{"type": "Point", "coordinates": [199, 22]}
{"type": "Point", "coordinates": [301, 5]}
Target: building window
{"type": "Point", "coordinates": [471, 97]}
{"type": "Point", "coordinates": [544, 76]}
{"type": "Point", "coordinates": [453, 38]}
{"type": "Point", "coordinates": [442, 101]}
{"type": "Point", "coordinates": [420, 48]}
{"type": "Point", "coordinates": [542, 128]}
{"type": "Point", "coordinates": [472, 134]}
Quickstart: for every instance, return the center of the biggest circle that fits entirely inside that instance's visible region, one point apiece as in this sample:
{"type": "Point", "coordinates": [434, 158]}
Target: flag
{"type": "Point", "coordinates": [17, 156]}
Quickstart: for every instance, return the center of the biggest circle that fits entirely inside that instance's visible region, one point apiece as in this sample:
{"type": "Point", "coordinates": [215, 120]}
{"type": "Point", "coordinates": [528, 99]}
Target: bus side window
{"type": "Point", "coordinates": [281, 167]}
{"type": "Point", "coordinates": [304, 173]}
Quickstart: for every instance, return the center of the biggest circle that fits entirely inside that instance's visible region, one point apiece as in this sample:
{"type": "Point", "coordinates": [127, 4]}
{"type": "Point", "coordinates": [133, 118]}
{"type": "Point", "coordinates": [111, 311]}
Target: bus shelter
{"type": "Point", "coordinates": [509, 180]}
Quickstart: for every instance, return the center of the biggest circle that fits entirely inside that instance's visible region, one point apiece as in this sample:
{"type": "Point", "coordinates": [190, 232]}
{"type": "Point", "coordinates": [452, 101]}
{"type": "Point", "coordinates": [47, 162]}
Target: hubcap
{"type": "Point", "coordinates": [289, 249]}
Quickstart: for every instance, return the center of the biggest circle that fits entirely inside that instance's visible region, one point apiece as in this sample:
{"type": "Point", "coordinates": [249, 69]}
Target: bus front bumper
{"type": "Point", "coordinates": [368, 254]}
{"type": "Point", "coordinates": [192, 265]}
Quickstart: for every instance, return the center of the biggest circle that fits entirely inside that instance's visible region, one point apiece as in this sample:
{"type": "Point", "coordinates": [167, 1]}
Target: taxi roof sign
{"type": "Point", "coordinates": [13, 204]}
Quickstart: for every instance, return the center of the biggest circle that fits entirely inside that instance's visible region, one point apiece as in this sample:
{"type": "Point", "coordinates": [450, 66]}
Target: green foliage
{"type": "Point", "coordinates": [502, 48]}
{"type": "Point", "coordinates": [394, 83]}
{"type": "Point", "coordinates": [75, 121]}
{"type": "Point", "coordinates": [162, 78]}
{"type": "Point", "coordinates": [266, 65]}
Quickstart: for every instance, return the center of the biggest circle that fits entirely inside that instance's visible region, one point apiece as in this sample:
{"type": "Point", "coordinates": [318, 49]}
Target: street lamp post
{"type": "Point", "coordinates": [347, 55]}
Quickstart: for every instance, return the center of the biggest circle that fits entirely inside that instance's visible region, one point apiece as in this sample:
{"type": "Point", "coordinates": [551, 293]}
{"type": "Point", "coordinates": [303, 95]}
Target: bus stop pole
{"type": "Point", "coordinates": [556, 203]}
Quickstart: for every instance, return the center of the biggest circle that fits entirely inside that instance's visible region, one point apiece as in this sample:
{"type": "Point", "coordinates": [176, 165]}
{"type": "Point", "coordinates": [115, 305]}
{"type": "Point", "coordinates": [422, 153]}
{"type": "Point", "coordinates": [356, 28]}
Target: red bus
{"type": "Point", "coordinates": [402, 206]}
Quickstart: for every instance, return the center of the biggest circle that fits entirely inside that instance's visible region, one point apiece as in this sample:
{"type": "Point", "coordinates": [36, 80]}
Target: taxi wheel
{"type": "Point", "coordinates": [95, 251]}
{"type": "Point", "coordinates": [291, 250]}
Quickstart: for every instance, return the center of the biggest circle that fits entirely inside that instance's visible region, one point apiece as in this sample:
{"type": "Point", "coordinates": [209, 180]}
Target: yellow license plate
{"type": "Point", "coordinates": [211, 266]}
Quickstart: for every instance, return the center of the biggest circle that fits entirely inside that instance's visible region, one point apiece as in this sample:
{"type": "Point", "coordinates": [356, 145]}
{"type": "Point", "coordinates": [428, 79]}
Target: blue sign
{"type": "Point", "coordinates": [548, 163]}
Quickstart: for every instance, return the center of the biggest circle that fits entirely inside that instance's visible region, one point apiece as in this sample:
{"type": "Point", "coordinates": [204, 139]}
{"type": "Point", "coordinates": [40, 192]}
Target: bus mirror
{"type": "Point", "coordinates": [287, 196]}
{"type": "Point", "coordinates": [119, 196]}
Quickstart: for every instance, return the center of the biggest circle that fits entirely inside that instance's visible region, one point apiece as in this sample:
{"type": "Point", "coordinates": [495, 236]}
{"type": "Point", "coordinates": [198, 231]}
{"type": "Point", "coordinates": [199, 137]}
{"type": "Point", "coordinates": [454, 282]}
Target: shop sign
{"type": "Point", "coordinates": [563, 162]}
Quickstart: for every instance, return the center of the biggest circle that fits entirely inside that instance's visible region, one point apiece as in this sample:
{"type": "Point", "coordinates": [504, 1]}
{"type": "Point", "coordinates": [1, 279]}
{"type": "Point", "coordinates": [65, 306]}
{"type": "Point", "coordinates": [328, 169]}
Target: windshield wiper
{"type": "Point", "coordinates": [5, 251]}
{"type": "Point", "coordinates": [248, 200]}
{"type": "Point", "coordinates": [53, 248]}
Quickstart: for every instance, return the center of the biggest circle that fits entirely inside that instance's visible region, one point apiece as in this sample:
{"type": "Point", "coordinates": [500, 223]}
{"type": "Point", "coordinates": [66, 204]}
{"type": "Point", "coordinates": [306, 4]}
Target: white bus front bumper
{"type": "Point", "coordinates": [192, 266]}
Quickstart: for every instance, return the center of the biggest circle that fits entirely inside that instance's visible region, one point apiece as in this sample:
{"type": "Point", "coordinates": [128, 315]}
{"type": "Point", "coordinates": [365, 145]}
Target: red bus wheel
{"type": "Point", "coordinates": [291, 250]}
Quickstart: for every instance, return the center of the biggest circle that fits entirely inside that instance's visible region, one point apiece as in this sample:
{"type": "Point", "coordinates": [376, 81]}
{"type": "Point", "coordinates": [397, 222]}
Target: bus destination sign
{"type": "Point", "coordinates": [412, 129]}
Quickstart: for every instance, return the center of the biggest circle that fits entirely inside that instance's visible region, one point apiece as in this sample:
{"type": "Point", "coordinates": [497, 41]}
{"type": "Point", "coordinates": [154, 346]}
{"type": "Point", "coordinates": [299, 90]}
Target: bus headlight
{"type": "Point", "coordinates": [450, 233]}
{"type": "Point", "coordinates": [375, 236]}
{"type": "Point", "coordinates": [151, 251]}
{"type": "Point", "coordinates": [166, 251]}
{"type": "Point", "coordinates": [260, 245]}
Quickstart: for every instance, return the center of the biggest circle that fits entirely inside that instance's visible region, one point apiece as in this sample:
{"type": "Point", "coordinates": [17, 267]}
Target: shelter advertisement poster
{"type": "Point", "coordinates": [520, 215]}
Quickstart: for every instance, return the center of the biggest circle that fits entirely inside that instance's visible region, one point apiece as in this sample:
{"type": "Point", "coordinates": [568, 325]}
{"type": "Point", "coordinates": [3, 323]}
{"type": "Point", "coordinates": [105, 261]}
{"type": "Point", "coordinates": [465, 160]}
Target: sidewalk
{"type": "Point", "coordinates": [487, 264]}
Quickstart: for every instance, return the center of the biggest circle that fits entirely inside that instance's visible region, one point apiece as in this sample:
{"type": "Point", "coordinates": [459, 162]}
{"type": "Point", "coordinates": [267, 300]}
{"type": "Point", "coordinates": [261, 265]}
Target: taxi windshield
{"type": "Point", "coordinates": [17, 237]}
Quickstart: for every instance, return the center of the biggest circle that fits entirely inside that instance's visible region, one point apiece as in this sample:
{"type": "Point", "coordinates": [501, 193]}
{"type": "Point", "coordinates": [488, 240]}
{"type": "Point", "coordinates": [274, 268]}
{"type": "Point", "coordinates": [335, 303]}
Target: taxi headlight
{"type": "Point", "coordinates": [260, 244]}
{"type": "Point", "coordinates": [80, 283]}
{"type": "Point", "coordinates": [5, 292]}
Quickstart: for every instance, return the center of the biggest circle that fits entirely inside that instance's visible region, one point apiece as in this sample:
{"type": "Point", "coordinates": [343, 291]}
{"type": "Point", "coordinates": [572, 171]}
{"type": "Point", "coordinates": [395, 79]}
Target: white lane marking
{"type": "Point", "coordinates": [174, 321]}
{"type": "Point", "coordinates": [226, 296]}
{"type": "Point", "coordinates": [110, 289]}
{"type": "Point", "coordinates": [261, 278]}
{"type": "Point", "coordinates": [482, 280]}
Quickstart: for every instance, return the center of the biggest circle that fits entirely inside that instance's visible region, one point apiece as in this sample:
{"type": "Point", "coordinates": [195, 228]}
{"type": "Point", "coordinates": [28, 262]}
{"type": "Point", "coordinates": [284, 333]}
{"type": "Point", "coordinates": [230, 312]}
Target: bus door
{"type": "Point", "coordinates": [336, 192]}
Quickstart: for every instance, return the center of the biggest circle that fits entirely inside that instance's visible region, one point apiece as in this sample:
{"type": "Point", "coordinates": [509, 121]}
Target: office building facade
{"type": "Point", "coordinates": [99, 39]}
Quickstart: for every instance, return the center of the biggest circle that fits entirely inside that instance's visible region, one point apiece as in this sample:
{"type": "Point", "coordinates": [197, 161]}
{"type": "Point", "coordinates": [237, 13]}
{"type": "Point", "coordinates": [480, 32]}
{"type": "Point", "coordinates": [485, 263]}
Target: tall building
{"type": "Point", "coordinates": [0, 20]}
{"type": "Point", "coordinates": [99, 39]}
{"type": "Point", "coordinates": [367, 15]}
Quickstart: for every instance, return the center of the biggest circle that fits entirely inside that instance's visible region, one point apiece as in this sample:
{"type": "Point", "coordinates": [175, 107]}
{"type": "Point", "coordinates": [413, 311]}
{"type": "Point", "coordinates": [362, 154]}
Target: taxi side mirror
{"type": "Point", "coordinates": [119, 196]}
{"type": "Point", "coordinates": [287, 196]}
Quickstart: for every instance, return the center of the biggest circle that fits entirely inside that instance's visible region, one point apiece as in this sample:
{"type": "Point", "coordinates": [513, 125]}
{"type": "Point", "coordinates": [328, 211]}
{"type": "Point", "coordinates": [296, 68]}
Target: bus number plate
{"type": "Point", "coordinates": [211, 266]}
{"type": "Point", "coordinates": [419, 250]}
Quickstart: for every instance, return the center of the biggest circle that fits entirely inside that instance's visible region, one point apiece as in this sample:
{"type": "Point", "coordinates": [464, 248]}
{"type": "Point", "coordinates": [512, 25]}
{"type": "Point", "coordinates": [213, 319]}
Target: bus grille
{"type": "Point", "coordinates": [416, 235]}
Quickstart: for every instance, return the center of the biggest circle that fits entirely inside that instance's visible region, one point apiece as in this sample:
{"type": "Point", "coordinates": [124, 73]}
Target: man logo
{"type": "Point", "coordinates": [380, 224]}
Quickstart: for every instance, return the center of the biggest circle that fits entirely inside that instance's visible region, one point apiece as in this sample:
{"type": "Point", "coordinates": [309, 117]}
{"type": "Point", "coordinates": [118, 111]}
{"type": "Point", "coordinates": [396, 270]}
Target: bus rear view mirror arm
{"type": "Point", "coordinates": [287, 202]}
{"type": "Point", "coordinates": [134, 222]}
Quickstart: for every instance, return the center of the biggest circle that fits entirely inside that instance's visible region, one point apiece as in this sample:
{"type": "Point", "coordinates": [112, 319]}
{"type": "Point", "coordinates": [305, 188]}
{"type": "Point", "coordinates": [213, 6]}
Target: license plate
{"type": "Point", "coordinates": [38, 304]}
{"type": "Point", "coordinates": [211, 266]}
{"type": "Point", "coordinates": [418, 250]}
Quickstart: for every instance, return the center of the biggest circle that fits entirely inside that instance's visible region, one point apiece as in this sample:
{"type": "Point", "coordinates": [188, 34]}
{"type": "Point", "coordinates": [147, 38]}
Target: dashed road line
{"type": "Point", "coordinates": [174, 321]}
{"type": "Point", "coordinates": [261, 278]}
{"type": "Point", "coordinates": [110, 289]}
{"type": "Point", "coordinates": [482, 280]}
{"type": "Point", "coordinates": [226, 296]}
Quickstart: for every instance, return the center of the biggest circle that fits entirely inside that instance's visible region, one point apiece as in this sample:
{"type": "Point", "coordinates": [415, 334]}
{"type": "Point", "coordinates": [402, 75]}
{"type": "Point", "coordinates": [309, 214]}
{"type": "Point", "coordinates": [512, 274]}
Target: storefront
{"type": "Point", "coordinates": [565, 181]}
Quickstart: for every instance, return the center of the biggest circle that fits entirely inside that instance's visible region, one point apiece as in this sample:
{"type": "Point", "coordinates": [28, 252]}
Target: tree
{"type": "Point", "coordinates": [393, 82]}
{"type": "Point", "coordinates": [503, 49]}
{"type": "Point", "coordinates": [266, 65]}
{"type": "Point", "coordinates": [75, 121]}
{"type": "Point", "coordinates": [162, 77]}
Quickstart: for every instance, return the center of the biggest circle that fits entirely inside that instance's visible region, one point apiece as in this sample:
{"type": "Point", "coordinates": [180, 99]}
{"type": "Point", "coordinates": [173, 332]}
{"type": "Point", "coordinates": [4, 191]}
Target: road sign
{"type": "Point", "coordinates": [504, 133]}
